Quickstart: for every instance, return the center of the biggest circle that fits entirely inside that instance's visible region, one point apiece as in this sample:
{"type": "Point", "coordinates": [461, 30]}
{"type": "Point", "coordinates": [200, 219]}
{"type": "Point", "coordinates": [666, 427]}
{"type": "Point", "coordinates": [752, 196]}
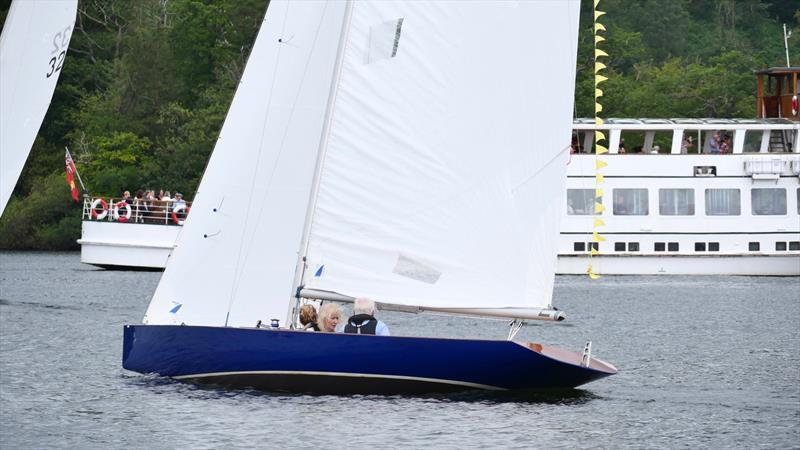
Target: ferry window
{"type": "Point", "coordinates": [713, 246]}
{"type": "Point", "coordinates": [580, 202]}
{"type": "Point", "coordinates": [633, 246]}
{"type": "Point", "coordinates": [723, 202]}
{"type": "Point", "coordinates": [676, 202]}
{"type": "Point", "coordinates": [579, 246]}
{"type": "Point", "coordinates": [780, 246]}
{"type": "Point", "coordinates": [768, 201]}
{"type": "Point", "coordinates": [659, 247]}
{"type": "Point", "coordinates": [630, 202]}
{"type": "Point", "coordinates": [672, 246]}
{"type": "Point", "coordinates": [754, 246]}
{"type": "Point", "coordinates": [699, 246]}
{"type": "Point", "coordinates": [619, 246]}
{"type": "Point", "coordinates": [794, 245]}
{"type": "Point", "coordinates": [752, 141]}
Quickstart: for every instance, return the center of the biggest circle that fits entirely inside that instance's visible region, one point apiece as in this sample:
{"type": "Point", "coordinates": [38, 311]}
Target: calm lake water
{"type": "Point", "coordinates": [705, 362]}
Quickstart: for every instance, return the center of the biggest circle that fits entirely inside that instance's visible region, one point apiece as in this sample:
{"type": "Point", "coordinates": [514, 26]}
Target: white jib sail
{"type": "Point", "coordinates": [33, 47]}
{"type": "Point", "coordinates": [443, 178]}
{"type": "Point", "coordinates": [235, 258]}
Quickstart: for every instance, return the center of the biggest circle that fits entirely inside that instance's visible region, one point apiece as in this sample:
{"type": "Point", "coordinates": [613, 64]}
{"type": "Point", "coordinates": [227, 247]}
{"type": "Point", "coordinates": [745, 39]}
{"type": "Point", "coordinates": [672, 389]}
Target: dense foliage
{"type": "Point", "coordinates": [146, 86]}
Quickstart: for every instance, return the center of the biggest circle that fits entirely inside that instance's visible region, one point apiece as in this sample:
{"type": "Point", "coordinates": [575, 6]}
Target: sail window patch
{"type": "Point", "coordinates": [633, 246]}
{"type": "Point", "coordinates": [619, 246]}
{"type": "Point", "coordinates": [579, 246]}
{"type": "Point", "coordinates": [672, 246]}
{"type": "Point", "coordinates": [794, 245]}
{"type": "Point", "coordinates": [384, 40]}
{"type": "Point", "coordinates": [713, 246]}
{"type": "Point", "coordinates": [410, 268]}
{"type": "Point", "coordinates": [754, 246]}
{"type": "Point", "coordinates": [699, 246]}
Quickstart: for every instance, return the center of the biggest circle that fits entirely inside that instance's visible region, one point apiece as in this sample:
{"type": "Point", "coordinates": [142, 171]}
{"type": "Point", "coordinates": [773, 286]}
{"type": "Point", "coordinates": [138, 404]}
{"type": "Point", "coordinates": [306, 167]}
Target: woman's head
{"type": "Point", "coordinates": [307, 315]}
{"type": "Point", "coordinates": [329, 317]}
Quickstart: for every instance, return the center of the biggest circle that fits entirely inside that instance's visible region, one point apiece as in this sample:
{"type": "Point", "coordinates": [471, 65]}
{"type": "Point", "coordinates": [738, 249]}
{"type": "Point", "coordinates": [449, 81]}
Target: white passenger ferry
{"type": "Point", "coordinates": [674, 202]}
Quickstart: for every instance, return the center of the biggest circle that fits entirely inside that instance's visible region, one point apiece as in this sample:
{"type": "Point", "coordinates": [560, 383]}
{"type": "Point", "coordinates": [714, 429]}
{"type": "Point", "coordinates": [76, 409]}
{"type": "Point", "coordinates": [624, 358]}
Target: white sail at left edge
{"type": "Point", "coordinates": [33, 48]}
{"type": "Point", "coordinates": [249, 211]}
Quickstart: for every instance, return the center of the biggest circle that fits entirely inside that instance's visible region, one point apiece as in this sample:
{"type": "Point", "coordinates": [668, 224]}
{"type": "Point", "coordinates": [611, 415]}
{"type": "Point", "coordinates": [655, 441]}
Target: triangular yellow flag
{"type": "Point", "coordinates": [597, 14]}
{"type": "Point", "coordinates": [601, 150]}
{"type": "Point", "coordinates": [597, 238]}
{"type": "Point", "coordinates": [599, 79]}
{"type": "Point", "coordinates": [598, 39]}
{"type": "Point", "coordinates": [591, 273]}
{"type": "Point", "coordinates": [599, 164]}
{"type": "Point", "coordinates": [598, 66]}
{"type": "Point", "coordinates": [598, 121]}
{"type": "Point", "coordinates": [599, 222]}
{"type": "Point", "coordinates": [596, 2]}
{"type": "Point", "coordinates": [594, 251]}
{"type": "Point", "coordinates": [598, 192]}
{"type": "Point", "coordinates": [599, 27]}
{"type": "Point", "coordinates": [599, 179]}
{"type": "Point", "coordinates": [597, 107]}
{"type": "Point", "coordinates": [597, 93]}
{"type": "Point", "coordinates": [599, 208]}
{"type": "Point", "coordinates": [598, 53]}
{"type": "Point", "coordinates": [599, 136]}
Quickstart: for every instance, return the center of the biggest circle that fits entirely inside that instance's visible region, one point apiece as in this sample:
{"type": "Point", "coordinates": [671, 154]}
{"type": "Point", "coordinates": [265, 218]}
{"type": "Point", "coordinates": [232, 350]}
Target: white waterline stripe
{"type": "Point", "coordinates": [343, 374]}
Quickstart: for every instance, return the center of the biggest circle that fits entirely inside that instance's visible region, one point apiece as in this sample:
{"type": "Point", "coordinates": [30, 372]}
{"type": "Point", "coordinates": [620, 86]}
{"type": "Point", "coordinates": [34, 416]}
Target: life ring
{"type": "Point", "coordinates": [122, 218]}
{"type": "Point", "coordinates": [794, 105]}
{"type": "Point", "coordinates": [179, 209]}
{"type": "Point", "coordinates": [103, 212]}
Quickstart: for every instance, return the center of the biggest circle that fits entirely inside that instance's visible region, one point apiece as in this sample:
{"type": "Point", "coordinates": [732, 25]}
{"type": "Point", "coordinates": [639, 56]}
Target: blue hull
{"type": "Point", "coordinates": [299, 361]}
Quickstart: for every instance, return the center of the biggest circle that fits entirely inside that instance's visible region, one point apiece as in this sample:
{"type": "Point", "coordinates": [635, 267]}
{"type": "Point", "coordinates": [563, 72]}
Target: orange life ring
{"type": "Point", "coordinates": [117, 216]}
{"type": "Point", "coordinates": [103, 212]}
{"type": "Point", "coordinates": [179, 208]}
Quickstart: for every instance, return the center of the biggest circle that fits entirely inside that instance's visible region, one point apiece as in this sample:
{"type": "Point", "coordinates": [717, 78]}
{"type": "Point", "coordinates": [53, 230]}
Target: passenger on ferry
{"type": "Point", "coordinates": [713, 143]}
{"type": "Point", "coordinates": [329, 316]}
{"type": "Point", "coordinates": [178, 200]}
{"type": "Point", "coordinates": [621, 145]}
{"type": "Point", "coordinates": [363, 320]}
{"type": "Point", "coordinates": [686, 144]}
{"type": "Point", "coordinates": [655, 150]}
{"type": "Point", "coordinates": [126, 197]}
{"type": "Point", "coordinates": [308, 318]}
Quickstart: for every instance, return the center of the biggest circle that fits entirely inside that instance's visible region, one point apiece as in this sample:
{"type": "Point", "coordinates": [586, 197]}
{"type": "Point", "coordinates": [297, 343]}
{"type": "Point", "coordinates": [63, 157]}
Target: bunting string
{"type": "Point", "coordinates": [600, 141]}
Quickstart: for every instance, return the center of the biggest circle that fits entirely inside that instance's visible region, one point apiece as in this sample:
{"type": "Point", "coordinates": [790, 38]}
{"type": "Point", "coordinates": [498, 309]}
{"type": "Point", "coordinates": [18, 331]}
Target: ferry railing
{"type": "Point", "coordinates": [157, 212]}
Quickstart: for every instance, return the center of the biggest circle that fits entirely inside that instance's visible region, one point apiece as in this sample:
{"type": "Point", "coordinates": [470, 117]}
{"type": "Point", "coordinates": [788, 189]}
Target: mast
{"type": "Point", "coordinates": [300, 267]}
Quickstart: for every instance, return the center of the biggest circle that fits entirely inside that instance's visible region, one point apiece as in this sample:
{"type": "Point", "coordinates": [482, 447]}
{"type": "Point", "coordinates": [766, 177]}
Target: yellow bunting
{"type": "Point", "coordinates": [593, 275]}
{"type": "Point", "coordinates": [598, 39]}
{"type": "Point", "coordinates": [596, 2]}
{"type": "Point", "coordinates": [597, 93]}
{"type": "Point", "coordinates": [599, 136]}
{"type": "Point", "coordinates": [594, 251]}
{"type": "Point", "coordinates": [599, 79]}
{"type": "Point", "coordinates": [598, 222]}
{"type": "Point", "coordinates": [597, 238]}
{"type": "Point", "coordinates": [599, 27]}
{"type": "Point", "coordinates": [598, 66]}
{"type": "Point", "coordinates": [599, 208]}
{"type": "Point", "coordinates": [598, 13]}
{"type": "Point", "coordinates": [597, 107]}
{"type": "Point", "coordinates": [598, 53]}
{"type": "Point", "coordinates": [599, 164]}
{"type": "Point", "coordinates": [598, 121]}
{"type": "Point", "coordinates": [599, 179]}
{"type": "Point", "coordinates": [601, 150]}
{"type": "Point", "coordinates": [598, 192]}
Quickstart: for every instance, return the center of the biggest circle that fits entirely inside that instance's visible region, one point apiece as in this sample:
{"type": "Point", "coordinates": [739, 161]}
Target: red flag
{"type": "Point", "coordinates": [71, 170]}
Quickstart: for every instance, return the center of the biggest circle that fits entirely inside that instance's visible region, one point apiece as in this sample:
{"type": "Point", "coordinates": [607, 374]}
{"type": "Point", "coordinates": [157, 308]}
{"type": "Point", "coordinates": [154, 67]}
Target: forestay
{"type": "Point", "coordinates": [443, 176]}
{"type": "Point", "coordinates": [33, 46]}
{"type": "Point", "coordinates": [235, 258]}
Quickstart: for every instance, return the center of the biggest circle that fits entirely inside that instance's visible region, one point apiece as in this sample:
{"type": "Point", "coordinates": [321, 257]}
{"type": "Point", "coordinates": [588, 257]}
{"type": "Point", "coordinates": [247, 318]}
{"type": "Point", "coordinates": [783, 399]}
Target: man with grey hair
{"type": "Point", "coordinates": [363, 320]}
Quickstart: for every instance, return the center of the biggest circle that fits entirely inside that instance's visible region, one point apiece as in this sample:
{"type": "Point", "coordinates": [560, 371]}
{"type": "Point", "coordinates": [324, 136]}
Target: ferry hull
{"type": "Point", "coordinates": [114, 245]}
{"type": "Point", "coordinates": [758, 265]}
{"type": "Point", "coordinates": [299, 361]}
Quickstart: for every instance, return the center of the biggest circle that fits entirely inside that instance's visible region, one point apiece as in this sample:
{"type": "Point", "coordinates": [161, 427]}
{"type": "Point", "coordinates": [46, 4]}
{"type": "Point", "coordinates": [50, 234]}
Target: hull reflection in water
{"type": "Point", "coordinates": [300, 361]}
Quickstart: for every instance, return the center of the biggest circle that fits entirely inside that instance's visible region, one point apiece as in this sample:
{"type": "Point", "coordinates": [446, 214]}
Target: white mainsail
{"type": "Point", "coordinates": [443, 175]}
{"type": "Point", "coordinates": [441, 166]}
{"type": "Point", "coordinates": [235, 257]}
{"type": "Point", "coordinates": [33, 47]}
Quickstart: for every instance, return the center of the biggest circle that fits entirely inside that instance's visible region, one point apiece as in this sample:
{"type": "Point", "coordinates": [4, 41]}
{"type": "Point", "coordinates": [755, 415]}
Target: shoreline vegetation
{"type": "Point", "coordinates": [146, 86]}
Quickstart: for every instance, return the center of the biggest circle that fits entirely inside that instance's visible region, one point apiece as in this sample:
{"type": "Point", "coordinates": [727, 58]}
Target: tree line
{"type": "Point", "coordinates": [146, 86]}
